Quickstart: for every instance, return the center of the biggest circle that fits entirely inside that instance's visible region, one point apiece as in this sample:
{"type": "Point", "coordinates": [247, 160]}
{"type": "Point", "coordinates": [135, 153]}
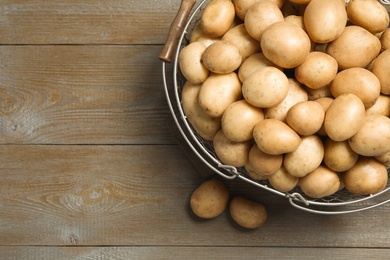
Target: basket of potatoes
{"type": "Point", "coordinates": [292, 96]}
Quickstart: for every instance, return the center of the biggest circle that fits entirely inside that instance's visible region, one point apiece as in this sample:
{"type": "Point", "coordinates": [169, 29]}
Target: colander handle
{"type": "Point", "coordinates": [176, 30]}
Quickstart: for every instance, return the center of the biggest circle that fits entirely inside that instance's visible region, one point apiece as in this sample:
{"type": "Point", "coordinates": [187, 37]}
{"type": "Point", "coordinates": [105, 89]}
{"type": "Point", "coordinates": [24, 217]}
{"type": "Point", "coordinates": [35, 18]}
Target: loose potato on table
{"type": "Point", "coordinates": [247, 213]}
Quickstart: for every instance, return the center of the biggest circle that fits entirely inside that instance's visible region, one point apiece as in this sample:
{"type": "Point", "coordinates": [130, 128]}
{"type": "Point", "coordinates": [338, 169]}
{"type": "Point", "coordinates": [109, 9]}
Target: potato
{"type": "Point", "coordinates": [252, 63]}
{"type": "Point", "coordinates": [385, 40]}
{"type": "Point", "coordinates": [296, 93]}
{"type": "Point", "coordinates": [253, 174]}
{"type": "Point", "coordinates": [282, 181]}
{"type": "Point", "coordinates": [306, 158]}
{"type": "Point", "coordinates": [264, 164]}
{"type": "Point", "coordinates": [358, 81]}
{"type": "Point", "coordinates": [355, 47]}
{"type": "Point", "coordinates": [380, 107]}
{"type": "Point", "coordinates": [217, 17]}
{"type": "Point", "coordinates": [209, 199]}
{"type": "Point", "coordinates": [317, 70]}
{"type": "Point", "coordinates": [204, 124]}
{"type": "Point", "coordinates": [381, 68]}
{"type": "Point", "coordinates": [385, 159]}
{"type": "Point", "coordinates": [285, 44]}
{"type": "Point", "coordinates": [370, 15]}
{"type": "Point", "coordinates": [373, 138]}
{"type": "Point", "coordinates": [247, 213]}
{"type": "Point", "coordinates": [275, 137]}
{"type": "Point", "coordinates": [314, 94]}
{"type": "Point", "coordinates": [261, 15]}
{"type": "Point", "coordinates": [325, 20]}
{"type": "Point", "coordinates": [218, 91]}
{"type": "Point", "coordinates": [239, 37]}
{"type": "Point", "coordinates": [325, 103]}
{"type": "Point", "coordinates": [221, 57]}
{"type": "Point", "coordinates": [320, 183]}
{"type": "Point", "coordinates": [242, 6]}
{"type": "Point", "coordinates": [239, 119]}
{"type": "Point", "coordinates": [367, 176]}
{"type": "Point", "coordinates": [266, 87]}
{"type": "Point", "coordinates": [344, 117]}
{"type": "Point", "coordinates": [191, 65]}
{"type": "Point", "coordinates": [306, 118]}
{"type": "Point", "coordinates": [229, 152]}
{"type": "Point", "coordinates": [339, 156]}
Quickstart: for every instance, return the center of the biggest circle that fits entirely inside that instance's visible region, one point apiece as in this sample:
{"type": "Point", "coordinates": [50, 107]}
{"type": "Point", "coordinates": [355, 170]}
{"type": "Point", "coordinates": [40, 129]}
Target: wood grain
{"type": "Point", "coordinates": [82, 94]}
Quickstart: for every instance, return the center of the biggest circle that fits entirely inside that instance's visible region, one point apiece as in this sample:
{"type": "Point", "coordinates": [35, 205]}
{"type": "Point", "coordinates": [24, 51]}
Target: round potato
{"type": "Point", "coordinates": [381, 68]}
{"type": "Point", "coordinates": [385, 40]}
{"type": "Point", "coordinates": [282, 181]}
{"type": "Point", "coordinates": [217, 17]}
{"type": "Point", "coordinates": [385, 159]}
{"type": "Point", "coordinates": [247, 213]}
{"type": "Point", "coordinates": [380, 107]}
{"type": "Point", "coordinates": [306, 118]}
{"type": "Point", "coordinates": [242, 6]}
{"type": "Point", "coordinates": [221, 57]}
{"type": "Point", "coordinates": [252, 63]}
{"type": "Point", "coordinates": [262, 163]}
{"type": "Point", "coordinates": [339, 156]}
{"type": "Point", "coordinates": [209, 199]}
{"type": "Point", "coordinates": [191, 65]}
{"type": "Point", "coordinates": [325, 103]}
{"type": "Point", "coordinates": [197, 35]}
{"type": "Point", "coordinates": [367, 176]}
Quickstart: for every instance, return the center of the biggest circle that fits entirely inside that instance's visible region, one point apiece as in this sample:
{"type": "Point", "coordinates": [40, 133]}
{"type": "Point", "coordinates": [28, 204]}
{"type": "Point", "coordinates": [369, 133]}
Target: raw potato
{"type": "Point", "coordinates": [247, 213]}
{"type": "Point", "coordinates": [252, 63]}
{"type": "Point", "coordinates": [320, 183]}
{"type": "Point", "coordinates": [306, 118]}
{"type": "Point", "coordinates": [370, 15]}
{"type": "Point", "coordinates": [314, 94]}
{"type": "Point", "coordinates": [325, 20]}
{"type": "Point", "coordinates": [221, 57]}
{"type": "Point", "coordinates": [339, 156]}
{"type": "Point", "coordinates": [385, 40]}
{"type": "Point", "coordinates": [381, 68]}
{"type": "Point", "coordinates": [229, 152]}
{"type": "Point", "coordinates": [381, 106]}
{"type": "Point", "coordinates": [358, 81]}
{"type": "Point", "coordinates": [239, 119]}
{"type": "Point", "coordinates": [198, 35]}
{"type": "Point", "coordinates": [242, 6]}
{"type": "Point", "coordinates": [210, 199]}
{"type": "Point", "coordinates": [190, 62]}
{"type": "Point", "coordinates": [204, 124]}
{"type": "Point", "coordinates": [373, 138]}
{"type": "Point", "coordinates": [385, 159]}
{"type": "Point", "coordinates": [285, 44]}
{"type": "Point", "coordinates": [282, 181]}
{"type": "Point", "coordinates": [264, 164]}
{"type": "Point", "coordinates": [344, 117]}
{"type": "Point", "coordinates": [253, 174]}
{"type": "Point", "coordinates": [295, 19]}
{"type": "Point", "coordinates": [325, 103]}
{"type": "Point", "coordinates": [217, 17]}
{"type": "Point", "coordinates": [275, 137]}
{"type": "Point", "coordinates": [367, 176]}
{"type": "Point", "coordinates": [266, 87]}
{"type": "Point", "coordinates": [355, 47]}
{"type": "Point", "coordinates": [306, 158]}
{"type": "Point", "coordinates": [218, 91]}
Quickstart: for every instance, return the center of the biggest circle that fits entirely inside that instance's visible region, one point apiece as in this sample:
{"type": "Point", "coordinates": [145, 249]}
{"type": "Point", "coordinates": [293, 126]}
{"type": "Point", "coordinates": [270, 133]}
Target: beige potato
{"type": "Point", "coordinates": [320, 183]}
{"type": "Point", "coordinates": [191, 65]}
{"type": "Point", "coordinates": [261, 15]}
{"type": "Point", "coordinates": [218, 91]}
{"type": "Point", "coordinates": [296, 93]}
{"type": "Point", "coordinates": [209, 199]}
{"type": "Point", "coordinates": [367, 176]}
{"type": "Point", "coordinates": [370, 15]}
{"type": "Point", "coordinates": [266, 87]}
{"type": "Point", "coordinates": [285, 44]}
{"type": "Point", "coordinates": [385, 159]}
{"type": "Point", "coordinates": [314, 94]}
{"type": "Point", "coordinates": [252, 63]}
{"type": "Point", "coordinates": [306, 118]}
{"type": "Point", "coordinates": [358, 81]}
{"type": "Point", "coordinates": [264, 164]}
{"type": "Point", "coordinates": [247, 213]}
{"type": "Point", "coordinates": [282, 181]}
{"type": "Point", "coordinates": [239, 37]}
{"type": "Point", "coordinates": [275, 137]}
{"type": "Point", "coordinates": [204, 124]}
{"type": "Point", "coordinates": [217, 17]}
{"type": "Point", "coordinates": [350, 52]}
{"type": "Point", "coordinates": [385, 40]}
{"type": "Point", "coordinates": [242, 6]}
{"type": "Point", "coordinates": [373, 138]}
{"type": "Point", "coordinates": [381, 68]}
{"type": "Point", "coordinates": [380, 107]}
{"type": "Point", "coordinates": [295, 19]}
{"type": "Point", "coordinates": [317, 70]}
{"type": "Point", "coordinates": [253, 174]}
{"type": "Point", "coordinates": [197, 35]}
{"type": "Point", "coordinates": [339, 156]}
{"type": "Point", "coordinates": [229, 152]}
{"type": "Point", "coordinates": [239, 119]}
{"type": "Point", "coordinates": [325, 103]}
{"type": "Point", "coordinates": [344, 117]}
{"type": "Point", "coordinates": [221, 57]}
{"type": "Point", "coordinates": [325, 20]}
{"type": "Point", "coordinates": [306, 158]}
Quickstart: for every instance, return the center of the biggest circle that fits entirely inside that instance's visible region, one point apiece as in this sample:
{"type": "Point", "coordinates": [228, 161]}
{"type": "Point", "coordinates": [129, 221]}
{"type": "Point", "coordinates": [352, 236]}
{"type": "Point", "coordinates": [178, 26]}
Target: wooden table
{"type": "Point", "coordinates": [91, 167]}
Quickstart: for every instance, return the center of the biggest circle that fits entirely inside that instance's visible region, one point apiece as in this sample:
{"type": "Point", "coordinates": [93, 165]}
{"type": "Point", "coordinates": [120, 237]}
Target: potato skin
{"type": "Point", "coordinates": [209, 199]}
{"type": "Point", "coordinates": [247, 213]}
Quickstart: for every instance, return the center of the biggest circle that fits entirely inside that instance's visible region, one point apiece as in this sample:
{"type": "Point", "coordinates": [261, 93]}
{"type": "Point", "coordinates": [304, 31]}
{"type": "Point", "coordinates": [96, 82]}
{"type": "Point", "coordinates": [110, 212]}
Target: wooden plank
{"type": "Point", "coordinates": [84, 94]}
{"type": "Point", "coordinates": [122, 195]}
{"type": "Point", "coordinates": [85, 22]}
{"type": "Point", "coordinates": [194, 253]}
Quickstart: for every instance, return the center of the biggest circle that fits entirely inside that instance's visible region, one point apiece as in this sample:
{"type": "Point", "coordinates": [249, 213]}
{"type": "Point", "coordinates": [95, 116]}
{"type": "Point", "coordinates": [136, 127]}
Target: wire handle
{"type": "Point", "coordinates": [176, 30]}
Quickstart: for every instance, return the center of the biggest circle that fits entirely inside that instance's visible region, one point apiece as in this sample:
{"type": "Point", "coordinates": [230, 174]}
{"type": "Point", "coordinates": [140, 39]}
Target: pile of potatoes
{"type": "Point", "coordinates": [297, 92]}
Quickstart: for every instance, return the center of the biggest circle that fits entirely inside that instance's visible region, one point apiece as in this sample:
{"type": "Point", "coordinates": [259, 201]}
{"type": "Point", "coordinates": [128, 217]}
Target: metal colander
{"type": "Point", "coordinates": [340, 202]}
